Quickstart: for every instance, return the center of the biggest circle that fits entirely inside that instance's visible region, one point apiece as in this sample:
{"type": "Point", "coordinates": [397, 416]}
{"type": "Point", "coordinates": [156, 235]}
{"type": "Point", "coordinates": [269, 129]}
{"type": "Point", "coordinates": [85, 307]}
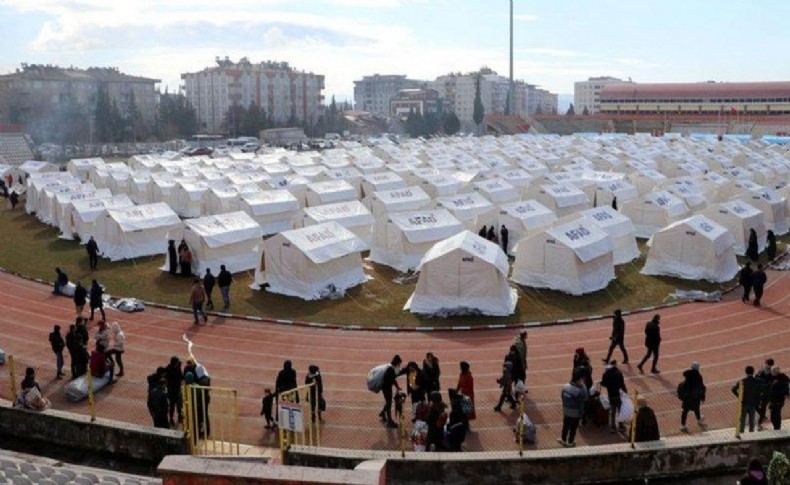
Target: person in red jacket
{"type": "Point", "coordinates": [98, 363]}
{"type": "Point", "coordinates": [466, 386]}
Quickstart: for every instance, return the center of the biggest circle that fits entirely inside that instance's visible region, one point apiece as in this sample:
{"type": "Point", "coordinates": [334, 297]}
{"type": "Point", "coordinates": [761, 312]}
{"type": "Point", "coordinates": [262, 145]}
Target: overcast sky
{"type": "Point", "coordinates": [557, 42]}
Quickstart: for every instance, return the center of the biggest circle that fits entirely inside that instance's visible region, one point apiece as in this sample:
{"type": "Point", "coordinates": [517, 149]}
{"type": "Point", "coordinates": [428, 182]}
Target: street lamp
{"type": "Point", "coordinates": [510, 86]}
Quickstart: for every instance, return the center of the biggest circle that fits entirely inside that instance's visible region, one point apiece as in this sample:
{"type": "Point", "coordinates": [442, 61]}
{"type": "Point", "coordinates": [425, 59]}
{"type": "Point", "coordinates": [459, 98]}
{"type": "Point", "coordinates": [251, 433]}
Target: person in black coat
{"type": "Point", "coordinates": [770, 246]}
{"type": "Point", "coordinates": [172, 257]}
{"type": "Point", "coordinates": [646, 428]}
{"type": "Point", "coordinates": [208, 284]}
{"type": "Point", "coordinates": [749, 392]}
{"type": "Point", "coordinates": [691, 392]}
{"type": "Point", "coordinates": [618, 337]}
{"type": "Point", "coordinates": [286, 379]}
{"type": "Point", "coordinates": [504, 236]}
{"type": "Point", "coordinates": [61, 281]}
{"type": "Point", "coordinates": [491, 235]}
{"type": "Point", "coordinates": [483, 232]}
{"type": "Point", "coordinates": [72, 344]}
{"type": "Point", "coordinates": [758, 283]}
{"type": "Point", "coordinates": [93, 252]}
{"type": "Point", "coordinates": [416, 385]}
{"type": "Point", "coordinates": [652, 343]}
{"type": "Point", "coordinates": [390, 379]}
{"type": "Point", "coordinates": [80, 298]}
{"type": "Point", "coordinates": [175, 379]}
{"type": "Point", "coordinates": [612, 380]}
{"type": "Point", "coordinates": [431, 372]}
{"type": "Point", "coordinates": [745, 280]}
{"type": "Point", "coordinates": [752, 251]}
{"type": "Point", "coordinates": [97, 302]}
{"type": "Point", "coordinates": [57, 344]}
{"type": "Point", "coordinates": [316, 391]}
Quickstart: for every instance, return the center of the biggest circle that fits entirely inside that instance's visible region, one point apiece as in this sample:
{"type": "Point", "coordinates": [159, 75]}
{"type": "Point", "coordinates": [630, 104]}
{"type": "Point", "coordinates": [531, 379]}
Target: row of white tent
{"type": "Point", "coordinates": [564, 242]}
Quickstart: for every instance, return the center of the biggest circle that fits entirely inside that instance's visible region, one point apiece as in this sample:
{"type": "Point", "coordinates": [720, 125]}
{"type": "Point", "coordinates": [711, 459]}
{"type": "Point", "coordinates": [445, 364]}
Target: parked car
{"type": "Point", "coordinates": [251, 147]}
{"type": "Point", "coordinates": [193, 152]}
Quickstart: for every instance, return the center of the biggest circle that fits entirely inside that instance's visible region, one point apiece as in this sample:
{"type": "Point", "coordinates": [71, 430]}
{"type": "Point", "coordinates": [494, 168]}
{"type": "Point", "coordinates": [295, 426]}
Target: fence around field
{"type": "Point", "coordinates": [356, 425]}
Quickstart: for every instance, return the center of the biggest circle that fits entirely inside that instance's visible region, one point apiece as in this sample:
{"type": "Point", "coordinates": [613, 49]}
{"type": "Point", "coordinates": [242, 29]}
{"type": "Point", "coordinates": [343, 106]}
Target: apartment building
{"type": "Point", "coordinates": [587, 94]}
{"type": "Point", "coordinates": [284, 93]}
{"type": "Point", "coordinates": [374, 93]}
{"type": "Point", "coordinates": [458, 92]}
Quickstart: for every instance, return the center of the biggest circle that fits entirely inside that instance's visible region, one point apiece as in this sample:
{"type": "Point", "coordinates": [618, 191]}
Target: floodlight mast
{"type": "Point", "coordinates": [510, 85]}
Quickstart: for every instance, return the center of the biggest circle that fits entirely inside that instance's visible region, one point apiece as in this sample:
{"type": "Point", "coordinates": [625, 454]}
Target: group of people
{"type": "Point", "coordinates": [200, 293]}
{"type": "Point", "coordinates": [489, 234]}
{"type": "Point", "coordinates": [180, 259]}
{"type": "Point", "coordinates": [108, 351]}
{"type": "Point", "coordinates": [8, 193]}
{"type": "Point", "coordinates": [166, 399]}
{"type": "Point", "coordinates": [437, 425]}
{"type": "Point", "coordinates": [284, 386]}
{"type": "Point", "coordinates": [753, 250]}
{"type": "Point", "coordinates": [752, 280]}
{"type": "Point", "coordinates": [513, 380]}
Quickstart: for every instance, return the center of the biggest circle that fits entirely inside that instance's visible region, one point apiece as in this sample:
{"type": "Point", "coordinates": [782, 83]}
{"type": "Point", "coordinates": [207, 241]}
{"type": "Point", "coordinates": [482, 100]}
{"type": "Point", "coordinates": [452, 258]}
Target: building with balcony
{"type": "Point", "coordinates": [285, 94]}
{"type": "Point", "coordinates": [422, 101]}
{"type": "Point", "coordinates": [374, 93]}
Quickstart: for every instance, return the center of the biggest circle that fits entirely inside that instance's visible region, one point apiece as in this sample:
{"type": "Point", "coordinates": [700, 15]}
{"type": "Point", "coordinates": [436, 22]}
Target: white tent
{"type": "Point", "coordinates": [351, 214]}
{"type": "Point", "coordinates": [518, 178]}
{"type": "Point", "coordinates": [472, 209]}
{"type": "Point", "coordinates": [562, 199]}
{"type": "Point", "coordinates": [311, 263]}
{"type": "Point", "coordinates": [376, 182]}
{"type": "Point", "coordinates": [36, 184]}
{"type": "Point", "coordinates": [48, 200]}
{"type": "Point", "coordinates": [401, 239]}
{"type": "Point", "coordinates": [81, 167]}
{"type": "Point", "coordinates": [695, 248]}
{"type": "Point", "coordinates": [497, 191]}
{"type": "Point", "coordinates": [438, 185]}
{"type": "Point", "coordinates": [188, 197]}
{"type": "Point", "coordinates": [738, 217]}
{"type": "Point", "coordinates": [138, 186]}
{"type": "Point", "coordinates": [647, 180]}
{"type": "Point", "coordinates": [398, 200]}
{"type": "Point", "coordinates": [620, 228]}
{"type": "Point", "coordinates": [347, 173]}
{"type": "Point", "coordinates": [654, 211]}
{"type": "Point", "coordinates": [274, 210]}
{"type": "Point", "coordinates": [34, 167]}
{"type": "Point", "coordinates": [136, 231]}
{"type": "Point", "coordinates": [575, 258]}
{"type": "Point", "coordinates": [15, 172]}
{"type": "Point", "coordinates": [523, 219]}
{"type": "Point", "coordinates": [773, 206]}
{"type": "Point", "coordinates": [606, 191]}
{"type": "Point", "coordinates": [64, 202]}
{"type": "Point", "coordinates": [161, 188]}
{"type": "Point", "coordinates": [223, 199]}
{"type": "Point", "coordinates": [463, 274]}
{"type": "Point", "coordinates": [320, 193]}
{"type": "Point", "coordinates": [81, 220]}
{"type": "Point", "coordinates": [226, 239]}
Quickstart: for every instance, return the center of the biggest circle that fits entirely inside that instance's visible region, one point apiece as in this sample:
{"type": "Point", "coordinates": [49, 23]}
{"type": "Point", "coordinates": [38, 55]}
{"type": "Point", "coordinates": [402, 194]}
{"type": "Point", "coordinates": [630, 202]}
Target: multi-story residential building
{"type": "Point", "coordinates": [285, 94]}
{"type": "Point", "coordinates": [373, 93]}
{"type": "Point", "coordinates": [541, 101]}
{"type": "Point", "coordinates": [422, 101]}
{"type": "Point", "coordinates": [37, 90]}
{"type": "Point", "coordinates": [458, 92]}
{"type": "Point", "coordinates": [587, 94]}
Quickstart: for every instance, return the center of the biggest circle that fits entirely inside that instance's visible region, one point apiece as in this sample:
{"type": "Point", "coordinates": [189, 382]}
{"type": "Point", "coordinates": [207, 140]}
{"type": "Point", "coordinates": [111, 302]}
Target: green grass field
{"type": "Point", "coordinates": [33, 249]}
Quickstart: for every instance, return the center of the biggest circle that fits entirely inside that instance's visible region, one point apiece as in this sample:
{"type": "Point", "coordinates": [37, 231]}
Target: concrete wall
{"type": "Point", "coordinates": [711, 453]}
{"type": "Point", "coordinates": [71, 430]}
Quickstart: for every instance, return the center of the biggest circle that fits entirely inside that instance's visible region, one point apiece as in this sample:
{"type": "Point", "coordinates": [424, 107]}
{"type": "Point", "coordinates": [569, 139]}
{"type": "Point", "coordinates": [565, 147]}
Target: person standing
{"type": "Point", "coordinates": [745, 280]}
{"type": "Point", "coordinates": [483, 232]}
{"type": "Point", "coordinates": [196, 299]}
{"type": "Point", "coordinates": [491, 235]}
{"type": "Point", "coordinates": [186, 261]}
{"type": "Point", "coordinates": [573, 395]}
{"type": "Point", "coordinates": [415, 386]}
{"type": "Point", "coordinates": [224, 280]}
{"type": "Point", "coordinates": [61, 280]}
{"type": "Point", "coordinates": [14, 199]}
{"type": "Point", "coordinates": [504, 236]}
{"type": "Point", "coordinates": [777, 393]}
{"type": "Point", "coordinates": [652, 343]}
{"type": "Point", "coordinates": [520, 342]}
{"type": "Point", "coordinates": [390, 379]}
{"type": "Point", "coordinates": [692, 393]}
{"type": "Point", "coordinates": [758, 283]}
{"type": "Point", "coordinates": [612, 380]}
{"type": "Point", "coordinates": [175, 379]}
{"type": "Point", "coordinates": [73, 345]}
{"type": "Point", "coordinates": [80, 298]}
{"type": "Point", "coordinates": [117, 348]}
{"type": "Point", "coordinates": [767, 378]}
{"type": "Point", "coordinates": [770, 245]}
{"type": "Point", "coordinates": [617, 338]}
{"type": "Point", "coordinates": [431, 372]}
{"type": "Point", "coordinates": [208, 284]}
{"type": "Point", "coordinates": [646, 428]}
{"type": "Point", "coordinates": [158, 404]}
{"type": "Point", "coordinates": [748, 390]}
{"type": "Point", "coordinates": [317, 403]}
{"type": "Point", "coordinates": [93, 253]}
{"type": "Point", "coordinates": [286, 380]}
{"type": "Point", "coordinates": [752, 251]}
{"type": "Point", "coordinates": [172, 257]}
{"type": "Point", "coordinates": [57, 344]}
{"type": "Point", "coordinates": [466, 386]}
{"type": "Point", "coordinates": [97, 300]}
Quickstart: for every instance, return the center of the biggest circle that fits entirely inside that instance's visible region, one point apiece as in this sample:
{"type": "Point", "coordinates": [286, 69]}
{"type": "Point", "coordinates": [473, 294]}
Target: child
{"type": "Point", "coordinates": [266, 409]}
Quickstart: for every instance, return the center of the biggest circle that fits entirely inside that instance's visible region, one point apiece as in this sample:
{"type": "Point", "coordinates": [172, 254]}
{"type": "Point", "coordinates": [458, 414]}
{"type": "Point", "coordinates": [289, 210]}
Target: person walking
{"type": "Point", "coordinates": [175, 378]}
{"type": "Point", "coordinates": [73, 346]}
{"type": "Point", "coordinates": [504, 237]}
{"type": "Point", "coordinates": [520, 372]}
{"type": "Point", "coordinates": [196, 299]}
{"type": "Point", "coordinates": [224, 280]}
{"type": "Point", "coordinates": [646, 427]}
{"type": "Point", "coordinates": [506, 383]}
{"type": "Point", "coordinates": [117, 347]}
{"type": "Point", "coordinates": [14, 199]}
{"type": "Point", "coordinates": [617, 339]}
{"type": "Point", "coordinates": [208, 284]}
{"type": "Point", "coordinates": [466, 386]}
{"type": "Point", "coordinates": [390, 379]}
{"type": "Point", "coordinates": [431, 372]}
{"type": "Point", "coordinates": [745, 280]}
{"type": "Point", "coordinates": [286, 381]}
{"type": "Point", "coordinates": [93, 253]}
{"type": "Point", "coordinates": [770, 245]}
{"type": "Point", "coordinates": [158, 404]}
{"type": "Point", "coordinates": [777, 393]}
{"type": "Point", "coordinates": [316, 394]}
{"type": "Point", "coordinates": [691, 392]}
{"type": "Point", "coordinates": [652, 343]}
{"type": "Point", "coordinates": [97, 300]}
{"type": "Point", "coordinates": [758, 283]}
{"type": "Point", "coordinates": [57, 344]}
{"type": "Point", "coordinates": [573, 395]}
{"type": "Point", "coordinates": [766, 378]}
{"type": "Point", "coordinates": [612, 380]}
{"type": "Point", "coordinates": [172, 257]}
{"type": "Point", "coordinates": [61, 280]}
{"type": "Point", "coordinates": [752, 251]}
{"type": "Point", "coordinates": [80, 298]}
{"type": "Point", "coordinates": [748, 390]}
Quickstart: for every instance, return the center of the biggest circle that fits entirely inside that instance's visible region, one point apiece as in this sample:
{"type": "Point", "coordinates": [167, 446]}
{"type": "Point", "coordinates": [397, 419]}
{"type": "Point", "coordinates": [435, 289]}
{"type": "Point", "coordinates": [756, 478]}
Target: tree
{"type": "Point", "coordinates": [571, 111]}
{"type": "Point", "coordinates": [586, 112]}
{"type": "Point", "coordinates": [415, 124]}
{"type": "Point", "coordinates": [68, 124]}
{"type": "Point", "coordinates": [478, 112]}
{"type": "Point", "coordinates": [432, 124]}
{"type": "Point", "coordinates": [254, 121]}
{"type": "Point", "coordinates": [176, 118]}
{"type": "Point", "coordinates": [231, 122]}
{"type": "Point", "coordinates": [452, 124]}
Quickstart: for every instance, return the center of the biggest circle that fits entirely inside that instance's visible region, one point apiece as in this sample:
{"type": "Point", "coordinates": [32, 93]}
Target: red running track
{"type": "Point", "coordinates": [246, 355]}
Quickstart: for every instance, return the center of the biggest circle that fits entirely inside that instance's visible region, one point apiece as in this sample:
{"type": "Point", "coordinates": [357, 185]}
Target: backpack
{"type": "Point", "coordinates": [467, 408]}
{"type": "Point", "coordinates": [683, 391]}
{"type": "Point", "coordinates": [376, 377]}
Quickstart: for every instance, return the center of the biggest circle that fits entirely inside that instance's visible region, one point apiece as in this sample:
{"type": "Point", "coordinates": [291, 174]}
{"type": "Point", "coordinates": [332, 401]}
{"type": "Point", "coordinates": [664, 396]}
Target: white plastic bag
{"type": "Point", "coordinates": [77, 390]}
{"type": "Point", "coordinates": [626, 409]}
{"type": "Point", "coordinates": [604, 400]}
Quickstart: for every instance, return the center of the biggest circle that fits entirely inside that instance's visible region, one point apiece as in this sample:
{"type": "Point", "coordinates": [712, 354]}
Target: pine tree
{"type": "Point", "coordinates": [478, 113]}
{"type": "Point", "coordinates": [571, 111]}
{"type": "Point", "coordinates": [452, 124]}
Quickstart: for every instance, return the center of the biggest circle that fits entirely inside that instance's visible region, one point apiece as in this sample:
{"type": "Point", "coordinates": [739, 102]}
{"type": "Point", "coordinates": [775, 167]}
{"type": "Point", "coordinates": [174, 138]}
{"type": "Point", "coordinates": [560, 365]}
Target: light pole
{"type": "Point", "coordinates": [510, 86]}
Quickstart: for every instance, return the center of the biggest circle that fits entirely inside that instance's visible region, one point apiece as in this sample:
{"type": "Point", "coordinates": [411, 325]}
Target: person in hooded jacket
{"type": "Point", "coordinates": [316, 396]}
{"type": "Point", "coordinates": [175, 378]}
{"type": "Point", "coordinates": [745, 280]}
{"type": "Point", "coordinates": [612, 380]}
{"type": "Point", "coordinates": [770, 245]}
{"type": "Point", "coordinates": [457, 422]}
{"type": "Point", "coordinates": [96, 297]}
{"type": "Point", "coordinates": [389, 381]}
{"type": "Point", "coordinates": [172, 257]}
{"type": "Point", "coordinates": [755, 474]}
{"type": "Point", "coordinates": [692, 395]}
{"type": "Point", "coordinates": [777, 393]}
{"type": "Point", "coordinates": [752, 251]}
{"type": "Point", "coordinates": [80, 298]}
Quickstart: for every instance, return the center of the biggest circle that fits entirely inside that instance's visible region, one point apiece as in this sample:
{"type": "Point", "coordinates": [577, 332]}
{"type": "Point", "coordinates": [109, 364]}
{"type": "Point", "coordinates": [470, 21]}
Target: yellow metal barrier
{"type": "Point", "coordinates": [632, 431]}
{"type": "Point", "coordinates": [211, 420]}
{"type": "Point", "coordinates": [298, 420]}
{"type": "Point", "coordinates": [12, 376]}
{"type": "Point", "coordinates": [520, 425]}
{"type": "Point", "coordinates": [91, 401]}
